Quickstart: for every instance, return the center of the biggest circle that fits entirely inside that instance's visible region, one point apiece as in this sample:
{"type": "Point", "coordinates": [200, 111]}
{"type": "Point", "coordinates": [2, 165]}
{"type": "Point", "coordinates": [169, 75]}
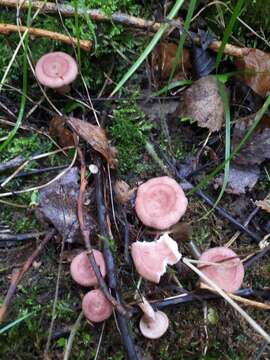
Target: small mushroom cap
{"type": "Point", "coordinates": [96, 307]}
{"type": "Point", "coordinates": [228, 275]}
{"type": "Point", "coordinates": [160, 202]}
{"type": "Point", "coordinates": [82, 271]}
{"type": "Point", "coordinates": [151, 258]}
{"type": "Point", "coordinates": [56, 70]}
{"type": "Point", "coordinates": [154, 329]}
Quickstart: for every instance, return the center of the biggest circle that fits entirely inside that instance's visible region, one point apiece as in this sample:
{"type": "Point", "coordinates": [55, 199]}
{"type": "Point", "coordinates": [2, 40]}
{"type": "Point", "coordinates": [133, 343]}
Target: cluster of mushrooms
{"type": "Point", "coordinates": [160, 204]}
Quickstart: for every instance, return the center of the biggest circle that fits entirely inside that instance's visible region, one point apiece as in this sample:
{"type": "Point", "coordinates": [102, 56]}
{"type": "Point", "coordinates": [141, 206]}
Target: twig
{"type": "Point", "coordinates": [72, 334]}
{"type": "Point", "coordinates": [86, 236]}
{"type": "Point", "coordinates": [47, 347]}
{"type": "Point", "coordinates": [184, 298]}
{"type": "Point", "coordinates": [257, 256]}
{"type": "Point", "coordinates": [16, 278]}
{"type": "Point", "coordinates": [7, 29]}
{"type": "Point", "coordinates": [248, 302]}
{"type": "Point", "coordinates": [17, 161]}
{"type": "Point", "coordinates": [36, 172]}
{"type": "Point", "coordinates": [20, 237]}
{"type": "Point", "coordinates": [132, 21]}
{"type": "Point", "coordinates": [104, 230]}
{"type": "Point", "coordinates": [242, 312]}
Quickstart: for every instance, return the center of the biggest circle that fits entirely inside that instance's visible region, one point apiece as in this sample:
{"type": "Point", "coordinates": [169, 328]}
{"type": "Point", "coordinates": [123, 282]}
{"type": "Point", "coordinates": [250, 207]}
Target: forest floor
{"type": "Point", "coordinates": [158, 129]}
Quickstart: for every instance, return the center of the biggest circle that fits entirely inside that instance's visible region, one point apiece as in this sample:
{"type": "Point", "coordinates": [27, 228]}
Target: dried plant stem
{"type": "Point", "coordinates": [248, 302]}
{"type": "Point", "coordinates": [132, 21]}
{"type": "Point", "coordinates": [86, 236]}
{"type": "Point", "coordinates": [72, 334]}
{"type": "Point", "coordinates": [242, 312]}
{"type": "Point", "coordinates": [16, 278]}
{"type": "Point", "coordinates": [56, 294]}
{"type": "Point", "coordinates": [7, 29]}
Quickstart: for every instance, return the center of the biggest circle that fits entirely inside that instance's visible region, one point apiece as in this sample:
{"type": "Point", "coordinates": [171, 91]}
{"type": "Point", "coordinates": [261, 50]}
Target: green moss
{"type": "Point", "coordinates": [129, 132]}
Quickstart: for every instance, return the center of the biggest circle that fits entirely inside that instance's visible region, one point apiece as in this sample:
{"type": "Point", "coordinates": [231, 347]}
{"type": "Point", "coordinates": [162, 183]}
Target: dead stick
{"type": "Point", "coordinates": [244, 301]}
{"type": "Point", "coordinates": [7, 29]}
{"type": "Point", "coordinates": [86, 236]}
{"type": "Point", "coordinates": [103, 220]}
{"type": "Point", "coordinates": [97, 15]}
{"type": "Point", "coordinates": [16, 278]}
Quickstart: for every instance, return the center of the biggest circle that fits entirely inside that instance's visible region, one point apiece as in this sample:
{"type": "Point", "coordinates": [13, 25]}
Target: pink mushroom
{"type": "Point", "coordinates": [56, 70]}
{"type": "Point", "coordinates": [152, 258]}
{"type": "Point", "coordinates": [153, 324]}
{"type": "Point", "coordinates": [160, 202]}
{"type": "Point", "coordinates": [82, 271]}
{"type": "Point", "coordinates": [96, 307]}
{"type": "Point", "coordinates": [227, 274]}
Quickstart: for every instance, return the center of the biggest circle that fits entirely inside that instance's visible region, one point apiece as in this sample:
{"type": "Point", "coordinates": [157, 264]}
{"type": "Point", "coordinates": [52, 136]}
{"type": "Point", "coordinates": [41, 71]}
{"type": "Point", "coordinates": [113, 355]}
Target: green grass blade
{"type": "Point", "coordinates": [172, 86]}
{"type": "Point", "coordinates": [149, 48]}
{"type": "Point", "coordinates": [238, 147]}
{"type": "Point", "coordinates": [228, 30]}
{"type": "Point", "coordinates": [180, 46]}
{"type": "Point", "coordinates": [13, 132]}
{"type": "Point", "coordinates": [76, 17]}
{"type": "Point", "coordinates": [225, 99]}
{"type": "Point", "coordinates": [14, 323]}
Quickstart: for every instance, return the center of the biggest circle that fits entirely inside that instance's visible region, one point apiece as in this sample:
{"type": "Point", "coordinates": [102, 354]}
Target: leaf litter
{"type": "Point", "coordinates": [57, 206]}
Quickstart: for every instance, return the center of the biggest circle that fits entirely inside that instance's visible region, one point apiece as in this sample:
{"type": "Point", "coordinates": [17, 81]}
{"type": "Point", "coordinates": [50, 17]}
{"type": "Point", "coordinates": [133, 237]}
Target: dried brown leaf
{"type": "Point", "coordinates": [240, 179]}
{"type": "Point", "coordinates": [164, 57]}
{"type": "Point", "coordinates": [57, 130]}
{"type": "Point", "coordinates": [202, 102]}
{"type": "Point", "coordinates": [96, 137]}
{"type": "Point", "coordinates": [264, 204]}
{"type": "Point", "coordinates": [256, 64]}
{"type": "Point", "coordinates": [58, 206]}
{"type": "Point", "coordinates": [257, 148]}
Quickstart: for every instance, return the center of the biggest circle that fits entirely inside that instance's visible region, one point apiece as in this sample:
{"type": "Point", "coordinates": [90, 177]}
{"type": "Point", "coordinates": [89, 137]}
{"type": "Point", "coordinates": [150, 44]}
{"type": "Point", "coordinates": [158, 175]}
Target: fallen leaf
{"type": "Point", "coordinates": [264, 204]}
{"type": "Point", "coordinates": [240, 179]}
{"type": "Point", "coordinates": [256, 64]}
{"type": "Point", "coordinates": [257, 148]}
{"type": "Point", "coordinates": [57, 205]}
{"type": "Point", "coordinates": [57, 130]}
{"type": "Point", "coordinates": [202, 102]}
{"type": "Point", "coordinates": [164, 57]}
{"type": "Point", "coordinates": [96, 137]}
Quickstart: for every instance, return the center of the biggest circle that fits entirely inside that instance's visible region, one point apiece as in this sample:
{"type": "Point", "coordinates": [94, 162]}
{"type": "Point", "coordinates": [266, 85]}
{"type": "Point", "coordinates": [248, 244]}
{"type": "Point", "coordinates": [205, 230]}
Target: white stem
{"type": "Point", "coordinates": [245, 315]}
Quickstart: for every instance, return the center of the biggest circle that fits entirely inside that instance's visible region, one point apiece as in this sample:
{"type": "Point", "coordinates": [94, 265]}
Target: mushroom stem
{"type": "Point", "coordinates": [148, 311]}
{"type": "Point", "coordinates": [222, 293]}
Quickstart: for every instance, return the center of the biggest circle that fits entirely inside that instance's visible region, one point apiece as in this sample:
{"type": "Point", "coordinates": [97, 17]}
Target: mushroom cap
{"type": "Point", "coordinates": [56, 69]}
{"type": "Point", "coordinates": [82, 271]}
{"type": "Point", "coordinates": [154, 329]}
{"type": "Point", "coordinates": [160, 202]}
{"type": "Point", "coordinates": [95, 306]}
{"type": "Point", "coordinates": [151, 258]}
{"type": "Point", "coordinates": [228, 275]}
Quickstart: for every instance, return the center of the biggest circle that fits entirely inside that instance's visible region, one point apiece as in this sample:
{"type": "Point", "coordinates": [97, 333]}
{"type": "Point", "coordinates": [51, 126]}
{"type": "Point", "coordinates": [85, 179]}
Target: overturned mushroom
{"type": "Point", "coordinates": [152, 258]}
{"type": "Point", "coordinates": [82, 271]}
{"type": "Point", "coordinates": [96, 307]}
{"type": "Point", "coordinates": [153, 324]}
{"type": "Point", "coordinates": [227, 272]}
{"type": "Point", "coordinates": [56, 70]}
{"type": "Point", "coordinates": [160, 202]}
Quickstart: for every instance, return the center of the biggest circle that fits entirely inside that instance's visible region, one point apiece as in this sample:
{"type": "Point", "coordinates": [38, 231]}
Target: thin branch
{"type": "Point", "coordinates": [112, 277]}
{"type": "Point", "coordinates": [86, 236]}
{"type": "Point", "coordinates": [7, 29]}
{"type": "Point", "coordinates": [132, 21]}
{"type": "Point", "coordinates": [16, 278]}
